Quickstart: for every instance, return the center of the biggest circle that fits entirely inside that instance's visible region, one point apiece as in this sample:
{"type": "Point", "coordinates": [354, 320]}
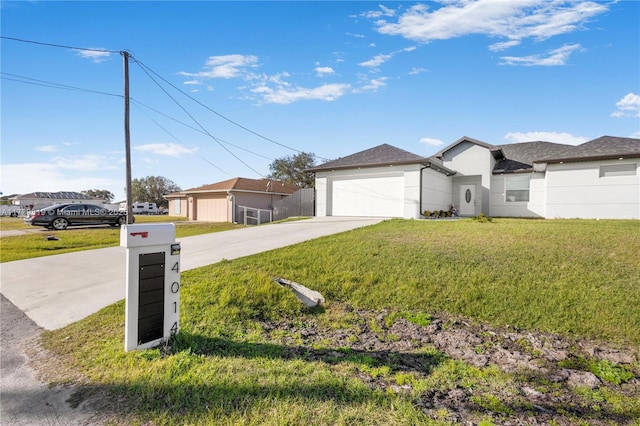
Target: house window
{"type": "Point", "coordinates": [176, 207]}
{"type": "Point", "coordinates": [517, 188]}
{"type": "Point", "coordinates": [629, 169]}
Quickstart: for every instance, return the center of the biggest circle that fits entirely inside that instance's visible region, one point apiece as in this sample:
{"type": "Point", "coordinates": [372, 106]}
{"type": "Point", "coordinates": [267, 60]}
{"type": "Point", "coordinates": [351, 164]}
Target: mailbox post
{"type": "Point", "coordinates": [153, 284]}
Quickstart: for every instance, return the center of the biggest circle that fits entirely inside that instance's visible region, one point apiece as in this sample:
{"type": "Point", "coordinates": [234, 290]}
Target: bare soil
{"type": "Point", "coordinates": [542, 389]}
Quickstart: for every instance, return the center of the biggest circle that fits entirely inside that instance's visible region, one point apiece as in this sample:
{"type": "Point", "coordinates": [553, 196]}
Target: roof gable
{"type": "Point", "coordinates": [381, 155]}
{"type": "Point", "coordinates": [463, 139]}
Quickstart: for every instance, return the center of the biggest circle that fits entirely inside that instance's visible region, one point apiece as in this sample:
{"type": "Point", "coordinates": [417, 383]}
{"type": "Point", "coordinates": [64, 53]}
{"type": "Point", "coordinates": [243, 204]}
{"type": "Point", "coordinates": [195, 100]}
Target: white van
{"type": "Point", "coordinates": [141, 208]}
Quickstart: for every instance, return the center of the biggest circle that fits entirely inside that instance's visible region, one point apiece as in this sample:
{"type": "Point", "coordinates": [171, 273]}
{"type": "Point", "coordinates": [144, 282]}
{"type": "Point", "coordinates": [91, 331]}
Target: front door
{"type": "Point", "coordinates": [468, 200]}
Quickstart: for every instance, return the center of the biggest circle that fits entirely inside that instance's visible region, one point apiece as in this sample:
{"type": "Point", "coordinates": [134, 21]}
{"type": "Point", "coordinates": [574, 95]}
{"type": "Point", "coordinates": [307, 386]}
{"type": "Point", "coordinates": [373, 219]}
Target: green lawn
{"type": "Point", "coordinates": [35, 242]}
{"type": "Point", "coordinates": [240, 356]}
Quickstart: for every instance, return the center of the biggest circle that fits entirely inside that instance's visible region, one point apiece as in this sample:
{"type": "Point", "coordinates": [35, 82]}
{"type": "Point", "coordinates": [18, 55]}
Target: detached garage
{"type": "Point", "coordinates": [224, 201]}
{"type": "Point", "coordinates": [384, 181]}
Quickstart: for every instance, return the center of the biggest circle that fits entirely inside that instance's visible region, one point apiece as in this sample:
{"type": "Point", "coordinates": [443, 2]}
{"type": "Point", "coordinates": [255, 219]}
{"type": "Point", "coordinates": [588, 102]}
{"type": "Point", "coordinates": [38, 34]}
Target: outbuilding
{"type": "Point", "coordinates": [229, 200]}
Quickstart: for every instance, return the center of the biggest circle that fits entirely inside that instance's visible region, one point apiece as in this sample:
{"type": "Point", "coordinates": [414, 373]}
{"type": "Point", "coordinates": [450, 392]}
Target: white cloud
{"type": "Point", "coordinates": [96, 56]}
{"type": "Point", "coordinates": [554, 58]}
{"type": "Point", "coordinates": [46, 148]}
{"type": "Point", "coordinates": [322, 71]}
{"type": "Point", "coordinates": [629, 106]}
{"type": "Point", "coordinates": [285, 95]}
{"type": "Point", "coordinates": [431, 142]}
{"type": "Point", "coordinates": [415, 71]}
{"type": "Point", "coordinates": [511, 20]}
{"type": "Point", "coordinates": [380, 59]}
{"type": "Point", "coordinates": [225, 66]}
{"type": "Point", "coordinates": [192, 82]}
{"type": "Point", "coordinates": [376, 61]}
{"type": "Point", "coordinates": [84, 163]}
{"type": "Point", "coordinates": [372, 85]}
{"type": "Point", "coordinates": [635, 135]}
{"type": "Point", "coordinates": [564, 138]}
{"type": "Point", "coordinates": [24, 178]}
{"type": "Point", "coordinates": [497, 47]}
{"type": "Point", "coordinates": [375, 14]}
{"type": "Point", "coordinates": [166, 149]}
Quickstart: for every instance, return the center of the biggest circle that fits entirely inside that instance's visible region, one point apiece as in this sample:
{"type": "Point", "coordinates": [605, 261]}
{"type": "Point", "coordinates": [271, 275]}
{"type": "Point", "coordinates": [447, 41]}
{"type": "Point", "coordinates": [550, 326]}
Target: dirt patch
{"type": "Point", "coordinates": [501, 376]}
{"type": "Point", "coordinates": [549, 380]}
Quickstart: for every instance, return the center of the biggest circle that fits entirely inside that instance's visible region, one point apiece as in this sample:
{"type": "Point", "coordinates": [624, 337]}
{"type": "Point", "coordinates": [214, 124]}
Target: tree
{"type": "Point", "coordinates": [102, 194]}
{"type": "Point", "coordinates": [291, 169]}
{"type": "Point", "coordinates": [151, 189]}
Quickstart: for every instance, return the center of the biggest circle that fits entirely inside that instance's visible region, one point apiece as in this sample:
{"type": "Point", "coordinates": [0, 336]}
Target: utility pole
{"type": "Point", "coordinates": [127, 135]}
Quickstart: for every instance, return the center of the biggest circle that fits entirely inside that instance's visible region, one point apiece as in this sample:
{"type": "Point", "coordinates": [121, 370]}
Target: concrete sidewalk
{"type": "Point", "coordinates": [55, 291]}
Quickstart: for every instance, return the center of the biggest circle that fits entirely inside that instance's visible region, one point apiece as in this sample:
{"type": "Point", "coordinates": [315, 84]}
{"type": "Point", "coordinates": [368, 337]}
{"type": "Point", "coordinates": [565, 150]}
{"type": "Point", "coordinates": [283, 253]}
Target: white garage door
{"type": "Point", "coordinates": [368, 196]}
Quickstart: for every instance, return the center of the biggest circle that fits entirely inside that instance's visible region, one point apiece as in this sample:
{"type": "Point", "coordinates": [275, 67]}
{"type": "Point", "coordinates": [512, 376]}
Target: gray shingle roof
{"type": "Point", "coordinates": [519, 157]}
{"type": "Point", "coordinates": [381, 155]}
{"type": "Point", "coordinates": [602, 148]}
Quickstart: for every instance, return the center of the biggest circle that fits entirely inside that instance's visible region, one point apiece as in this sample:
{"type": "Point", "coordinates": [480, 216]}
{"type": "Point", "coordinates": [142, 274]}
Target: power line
{"type": "Point", "coordinates": [198, 130]}
{"type": "Point", "coordinates": [197, 122]}
{"type": "Point", "coordinates": [142, 65]}
{"type": "Point", "coordinates": [60, 45]}
{"type": "Point", "coordinates": [179, 141]}
{"type": "Point", "coordinates": [148, 70]}
{"type": "Point", "coordinates": [44, 83]}
{"type": "Point", "coordinates": [36, 82]}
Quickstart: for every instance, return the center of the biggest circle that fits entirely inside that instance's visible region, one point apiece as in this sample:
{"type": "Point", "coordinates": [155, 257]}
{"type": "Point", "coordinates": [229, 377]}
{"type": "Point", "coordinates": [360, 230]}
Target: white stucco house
{"type": "Point", "coordinates": [597, 179]}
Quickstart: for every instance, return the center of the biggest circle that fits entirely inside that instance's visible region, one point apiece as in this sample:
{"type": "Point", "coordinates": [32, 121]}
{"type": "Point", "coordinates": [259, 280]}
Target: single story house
{"type": "Point", "coordinates": [597, 179]}
{"type": "Point", "coordinates": [224, 201]}
{"type": "Point", "coordinates": [40, 200]}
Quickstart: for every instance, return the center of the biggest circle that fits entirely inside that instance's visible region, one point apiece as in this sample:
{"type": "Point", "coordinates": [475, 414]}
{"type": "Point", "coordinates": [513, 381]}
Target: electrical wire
{"type": "Point", "coordinates": [199, 130]}
{"type": "Point", "coordinates": [179, 141]}
{"type": "Point", "coordinates": [148, 70]}
{"type": "Point", "coordinates": [44, 83]}
{"type": "Point", "coordinates": [36, 82]}
{"type": "Point", "coordinates": [142, 65]}
{"type": "Point", "coordinates": [60, 45]}
{"type": "Point", "coordinates": [200, 125]}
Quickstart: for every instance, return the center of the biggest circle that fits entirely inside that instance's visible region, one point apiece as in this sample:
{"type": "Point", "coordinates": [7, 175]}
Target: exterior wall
{"type": "Point", "coordinates": [178, 207]}
{"type": "Point", "coordinates": [412, 175]}
{"type": "Point", "coordinates": [437, 190]}
{"type": "Point", "coordinates": [535, 207]}
{"type": "Point", "coordinates": [469, 159]}
{"type": "Point", "coordinates": [321, 193]}
{"type": "Point", "coordinates": [255, 201]}
{"type": "Point", "coordinates": [576, 190]}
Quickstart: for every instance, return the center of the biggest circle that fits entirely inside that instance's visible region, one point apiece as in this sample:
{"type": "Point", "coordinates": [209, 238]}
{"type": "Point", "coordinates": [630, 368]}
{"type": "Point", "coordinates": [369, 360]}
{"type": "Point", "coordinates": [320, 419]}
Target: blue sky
{"type": "Point", "coordinates": [220, 89]}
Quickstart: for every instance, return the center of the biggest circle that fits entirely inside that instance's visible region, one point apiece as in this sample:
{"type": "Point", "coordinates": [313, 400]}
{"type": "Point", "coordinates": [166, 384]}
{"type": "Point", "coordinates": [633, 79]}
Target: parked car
{"type": "Point", "coordinates": [61, 216]}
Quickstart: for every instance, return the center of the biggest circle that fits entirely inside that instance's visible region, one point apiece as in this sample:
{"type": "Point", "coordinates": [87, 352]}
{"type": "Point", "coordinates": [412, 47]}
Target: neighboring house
{"type": "Point", "coordinates": [598, 179]}
{"type": "Point", "coordinates": [40, 200]}
{"type": "Point", "coordinates": [222, 201]}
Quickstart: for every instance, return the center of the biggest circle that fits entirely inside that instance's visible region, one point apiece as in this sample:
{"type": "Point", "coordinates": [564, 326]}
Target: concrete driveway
{"type": "Point", "coordinates": [55, 291]}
